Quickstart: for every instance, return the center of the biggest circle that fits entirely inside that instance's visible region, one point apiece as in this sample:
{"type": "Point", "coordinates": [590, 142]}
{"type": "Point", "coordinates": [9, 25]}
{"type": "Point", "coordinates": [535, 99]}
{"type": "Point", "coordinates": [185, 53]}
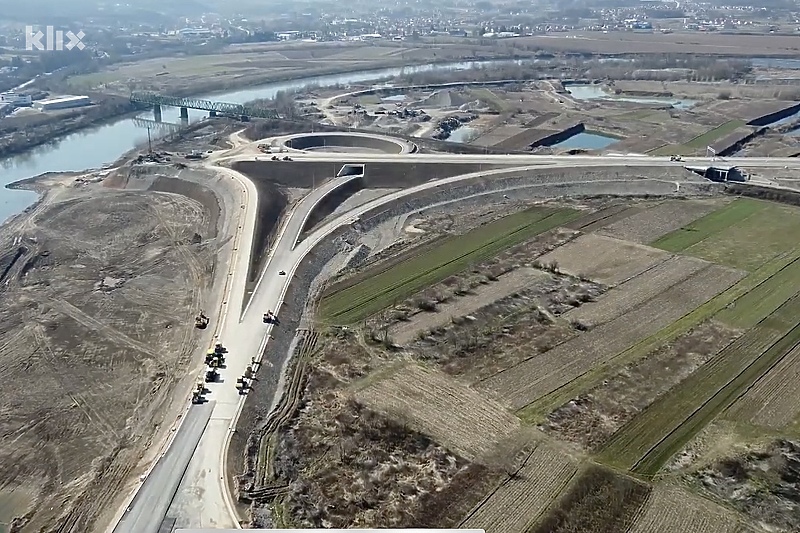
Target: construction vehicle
{"type": "Point", "coordinates": [211, 375]}
{"type": "Point", "coordinates": [201, 321]}
{"type": "Point", "coordinates": [197, 393]}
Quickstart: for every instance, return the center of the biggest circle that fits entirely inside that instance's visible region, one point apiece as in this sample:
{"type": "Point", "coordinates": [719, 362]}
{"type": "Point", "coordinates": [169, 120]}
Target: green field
{"type": "Point", "coordinates": [647, 442]}
{"type": "Point", "coordinates": [706, 226]}
{"type": "Point", "coordinates": [764, 299]}
{"type": "Point", "coordinates": [701, 141]}
{"type": "Point", "coordinates": [753, 241]}
{"type": "Point", "coordinates": [450, 257]}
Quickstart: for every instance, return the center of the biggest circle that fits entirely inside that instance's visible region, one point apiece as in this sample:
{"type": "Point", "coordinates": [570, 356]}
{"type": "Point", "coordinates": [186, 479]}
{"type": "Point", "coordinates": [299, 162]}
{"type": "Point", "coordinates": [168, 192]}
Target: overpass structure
{"type": "Point", "coordinates": [193, 467]}
{"type": "Point", "coordinates": [156, 101]}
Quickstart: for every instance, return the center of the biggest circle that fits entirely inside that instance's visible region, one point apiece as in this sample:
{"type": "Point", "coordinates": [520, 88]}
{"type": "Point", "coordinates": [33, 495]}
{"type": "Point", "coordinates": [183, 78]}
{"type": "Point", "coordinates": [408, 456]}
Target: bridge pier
{"type": "Point", "coordinates": [157, 113]}
{"type": "Point", "coordinates": [184, 114]}
{"type": "Point", "coordinates": [212, 114]}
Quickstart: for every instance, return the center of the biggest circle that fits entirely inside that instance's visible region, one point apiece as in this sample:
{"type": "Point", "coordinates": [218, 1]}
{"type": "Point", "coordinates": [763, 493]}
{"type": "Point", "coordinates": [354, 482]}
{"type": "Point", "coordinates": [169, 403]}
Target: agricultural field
{"type": "Point", "coordinates": [564, 374]}
{"type": "Point", "coordinates": [450, 257]}
{"type": "Point", "coordinates": [650, 439]}
{"type": "Point", "coordinates": [595, 415]}
{"type": "Point", "coordinates": [539, 376]}
{"type": "Point", "coordinates": [598, 500]}
{"type": "Point", "coordinates": [672, 509]}
{"type": "Point", "coordinates": [603, 259]}
{"type": "Point", "coordinates": [637, 290]}
{"type": "Point", "coordinates": [522, 497]}
{"type": "Point", "coordinates": [663, 218]}
{"type": "Point", "coordinates": [453, 414]}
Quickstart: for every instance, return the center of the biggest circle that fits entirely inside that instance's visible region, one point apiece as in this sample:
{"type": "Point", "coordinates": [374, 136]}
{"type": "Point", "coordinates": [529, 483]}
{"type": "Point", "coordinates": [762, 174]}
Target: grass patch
{"type": "Point", "coordinates": [450, 257]}
{"type": "Point", "coordinates": [599, 500]}
{"type": "Point", "coordinates": [538, 410]}
{"type": "Point", "coordinates": [647, 442]}
{"type": "Point", "coordinates": [753, 241]}
{"type": "Point", "coordinates": [706, 226]}
{"type": "Point", "coordinates": [705, 139]}
{"type": "Point", "coordinates": [764, 299]}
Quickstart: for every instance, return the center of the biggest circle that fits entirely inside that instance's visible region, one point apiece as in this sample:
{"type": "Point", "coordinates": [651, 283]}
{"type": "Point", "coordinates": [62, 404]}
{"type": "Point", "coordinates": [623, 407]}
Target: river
{"type": "Point", "coordinates": [94, 147]}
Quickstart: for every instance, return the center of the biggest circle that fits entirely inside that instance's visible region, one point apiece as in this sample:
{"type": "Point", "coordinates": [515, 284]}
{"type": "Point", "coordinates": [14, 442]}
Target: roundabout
{"type": "Point", "coordinates": [344, 142]}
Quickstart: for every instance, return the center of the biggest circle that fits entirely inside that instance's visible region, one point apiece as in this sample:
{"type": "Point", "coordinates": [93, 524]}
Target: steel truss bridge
{"type": "Point", "coordinates": [222, 108]}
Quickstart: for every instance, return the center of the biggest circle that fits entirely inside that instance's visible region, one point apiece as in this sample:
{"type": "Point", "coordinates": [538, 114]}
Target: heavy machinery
{"type": "Point", "coordinates": [197, 393]}
{"type": "Point", "coordinates": [211, 375]}
{"type": "Point", "coordinates": [201, 321]}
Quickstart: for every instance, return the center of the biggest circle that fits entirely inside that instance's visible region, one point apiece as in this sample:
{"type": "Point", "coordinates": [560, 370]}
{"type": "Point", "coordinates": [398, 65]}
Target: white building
{"type": "Point", "coordinates": [15, 99]}
{"type": "Point", "coordinates": [65, 102]}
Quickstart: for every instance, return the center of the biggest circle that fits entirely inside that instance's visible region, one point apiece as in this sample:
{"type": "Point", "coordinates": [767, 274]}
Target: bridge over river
{"type": "Point", "coordinates": [156, 101]}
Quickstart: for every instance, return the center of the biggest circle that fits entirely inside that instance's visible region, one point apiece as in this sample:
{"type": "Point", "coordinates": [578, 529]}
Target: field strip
{"type": "Point", "coordinates": [541, 407]}
{"type": "Point", "coordinates": [608, 220]}
{"type": "Point", "coordinates": [383, 266]}
{"type": "Point", "coordinates": [664, 427]}
{"type": "Point", "coordinates": [506, 285]}
{"type": "Point", "coordinates": [598, 500]}
{"type": "Point", "coordinates": [734, 212]}
{"type": "Point", "coordinates": [603, 259]}
{"type": "Point", "coordinates": [597, 218]}
{"type": "Point", "coordinates": [764, 299]}
{"type": "Point", "coordinates": [637, 290]}
{"type": "Point", "coordinates": [516, 504]}
{"type": "Point", "coordinates": [454, 255]}
{"type": "Point", "coordinates": [541, 375]}
{"type": "Point", "coordinates": [773, 401]}
{"type": "Point", "coordinates": [451, 412]}
{"type": "Point", "coordinates": [670, 509]}
{"type": "Point", "coordinates": [664, 218]}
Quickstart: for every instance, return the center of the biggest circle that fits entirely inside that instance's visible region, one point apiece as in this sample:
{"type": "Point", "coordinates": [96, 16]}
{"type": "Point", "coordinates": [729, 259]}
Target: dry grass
{"type": "Point", "coordinates": [637, 291]}
{"type": "Point", "coordinates": [772, 402]}
{"type": "Point", "coordinates": [440, 406]}
{"type": "Point", "coordinates": [673, 509]}
{"type": "Point", "coordinates": [649, 225]}
{"type": "Point", "coordinates": [516, 504]}
{"type": "Point", "coordinates": [604, 259]}
{"type": "Point", "coordinates": [540, 375]}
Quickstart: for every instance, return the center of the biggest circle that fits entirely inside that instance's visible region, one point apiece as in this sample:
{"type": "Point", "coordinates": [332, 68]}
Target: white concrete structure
{"type": "Point", "coordinates": [64, 102]}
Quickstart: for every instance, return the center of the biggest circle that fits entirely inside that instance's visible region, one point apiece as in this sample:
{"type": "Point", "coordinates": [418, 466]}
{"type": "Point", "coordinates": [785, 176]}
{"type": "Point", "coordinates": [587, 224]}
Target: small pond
{"type": "Point", "coordinates": [596, 92]}
{"type": "Point", "coordinates": [586, 141]}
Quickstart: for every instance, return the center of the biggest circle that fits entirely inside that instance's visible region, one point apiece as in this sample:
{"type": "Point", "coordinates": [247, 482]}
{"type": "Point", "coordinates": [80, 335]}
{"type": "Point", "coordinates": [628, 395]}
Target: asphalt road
{"type": "Point", "coordinates": [150, 505]}
{"type": "Point", "coordinates": [203, 498]}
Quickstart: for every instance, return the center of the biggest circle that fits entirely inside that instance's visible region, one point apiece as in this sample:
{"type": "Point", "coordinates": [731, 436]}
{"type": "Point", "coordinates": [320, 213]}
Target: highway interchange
{"type": "Point", "coordinates": [193, 467]}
